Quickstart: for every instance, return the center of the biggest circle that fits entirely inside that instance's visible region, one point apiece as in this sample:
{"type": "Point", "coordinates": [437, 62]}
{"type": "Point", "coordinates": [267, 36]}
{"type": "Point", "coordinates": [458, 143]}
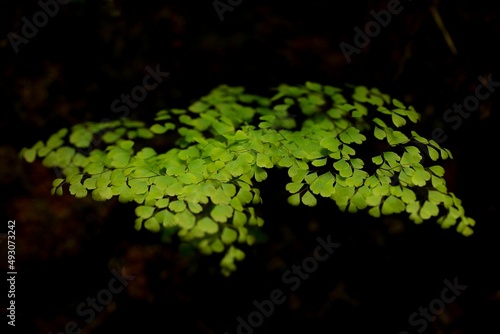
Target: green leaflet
{"type": "Point", "coordinates": [264, 161]}
{"type": "Point", "coordinates": [125, 194]}
{"type": "Point", "coordinates": [330, 143]}
{"type": "Point", "coordinates": [309, 199]}
{"type": "Point", "coordinates": [392, 204]}
{"type": "Point", "coordinates": [112, 136]}
{"type": "Point", "coordinates": [138, 186]}
{"type": "Point", "coordinates": [102, 194]}
{"type": "Point", "coordinates": [420, 176]}
{"type": "Point", "coordinates": [185, 220]}
{"type": "Point", "coordinates": [398, 120]}
{"type": "Point", "coordinates": [379, 133]}
{"type": "Point", "coordinates": [177, 206]}
{"type": "Point", "coordinates": [202, 179]}
{"type": "Point", "coordinates": [323, 185]}
{"type": "Point", "coordinates": [78, 190]}
{"type": "Point", "coordinates": [294, 199]}
{"type": "Point", "coordinates": [55, 140]}
{"type": "Point", "coordinates": [158, 129]}
{"type": "Point", "coordinates": [80, 137]}
{"type": "Point", "coordinates": [94, 168]}
{"type": "Point", "coordinates": [152, 224]}
{"type": "Point", "coordinates": [219, 196]}
{"type": "Point", "coordinates": [437, 170]}
{"type": "Point", "coordinates": [207, 225]}
{"type": "Point", "coordinates": [229, 236]}
{"type": "Point", "coordinates": [221, 213]}
{"type": "Point", "coordinates": [352, 135]}
{"type": "Point", "coordinates": [343, 167]}
{"type": "Point", "coordinates": [428, 210]}
{"type": "Point", "coordinates": [144, 211]}
{"type": "Point", "coordinates": [356, 179]}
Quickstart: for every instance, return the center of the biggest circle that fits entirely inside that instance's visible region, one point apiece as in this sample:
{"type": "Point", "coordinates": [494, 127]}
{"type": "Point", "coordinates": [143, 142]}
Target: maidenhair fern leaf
{"type": "Point", "coordinates": [204, 185]}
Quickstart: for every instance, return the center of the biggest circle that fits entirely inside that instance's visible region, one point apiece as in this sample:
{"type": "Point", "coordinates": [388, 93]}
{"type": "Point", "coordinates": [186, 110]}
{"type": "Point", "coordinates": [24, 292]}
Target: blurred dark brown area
{"type": "Point", "coordinates": [90, 52]}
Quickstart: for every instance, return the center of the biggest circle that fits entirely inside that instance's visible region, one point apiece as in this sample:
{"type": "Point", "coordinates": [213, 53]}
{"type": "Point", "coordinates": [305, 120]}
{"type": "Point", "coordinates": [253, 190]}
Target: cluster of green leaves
{"type": "Point", "coordinates": [344, 144]}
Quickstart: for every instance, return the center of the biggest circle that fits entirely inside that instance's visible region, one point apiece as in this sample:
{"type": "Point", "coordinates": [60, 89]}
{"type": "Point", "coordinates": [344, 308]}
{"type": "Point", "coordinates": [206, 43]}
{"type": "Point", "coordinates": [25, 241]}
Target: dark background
{"type": "Point", "coordinates": [90, 52]}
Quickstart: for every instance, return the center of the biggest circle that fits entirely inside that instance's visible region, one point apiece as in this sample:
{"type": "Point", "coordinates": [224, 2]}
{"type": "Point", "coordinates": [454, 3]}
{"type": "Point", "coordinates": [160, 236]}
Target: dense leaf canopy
{"type": "Point", "coordinates": [352, 145]}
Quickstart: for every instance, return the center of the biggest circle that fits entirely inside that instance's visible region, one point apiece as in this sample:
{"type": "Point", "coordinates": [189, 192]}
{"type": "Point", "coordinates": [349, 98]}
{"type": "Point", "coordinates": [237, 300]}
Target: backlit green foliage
{"type": "Point", "coordinates": [351, 145]}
